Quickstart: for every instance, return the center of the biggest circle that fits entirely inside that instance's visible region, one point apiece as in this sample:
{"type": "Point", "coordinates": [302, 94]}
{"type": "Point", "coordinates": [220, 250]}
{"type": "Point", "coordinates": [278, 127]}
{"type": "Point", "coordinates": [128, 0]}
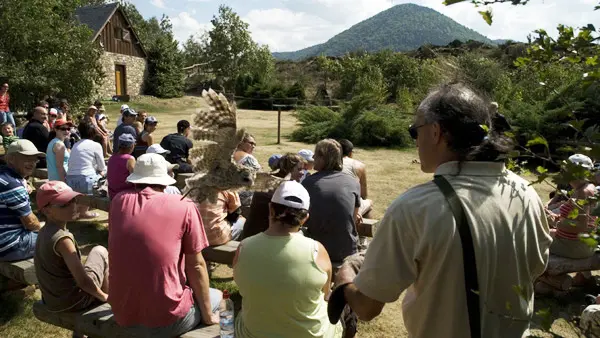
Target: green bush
{"type": "Point", "coordinates": [383, 126]}
{"type": "Point", "coordinates": [316, 123]}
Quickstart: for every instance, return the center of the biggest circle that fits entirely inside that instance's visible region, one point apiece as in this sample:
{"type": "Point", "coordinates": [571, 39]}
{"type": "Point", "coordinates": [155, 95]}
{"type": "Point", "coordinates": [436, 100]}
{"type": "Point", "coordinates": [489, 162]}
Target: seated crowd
{"type": "Point", "coordinates": [294, 237]}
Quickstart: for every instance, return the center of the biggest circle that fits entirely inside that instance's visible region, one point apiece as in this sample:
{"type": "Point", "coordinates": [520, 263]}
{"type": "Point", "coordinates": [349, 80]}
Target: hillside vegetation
{"type": "Point", "coordinates": [401, 28]}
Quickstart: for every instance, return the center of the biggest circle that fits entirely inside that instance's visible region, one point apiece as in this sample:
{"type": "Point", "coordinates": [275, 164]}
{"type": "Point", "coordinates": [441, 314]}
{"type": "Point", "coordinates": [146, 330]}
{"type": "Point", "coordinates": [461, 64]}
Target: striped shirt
{"type": "Point", "coordinates": [565, 210]}
{"type": "Point", "coordinates": [14, 203]}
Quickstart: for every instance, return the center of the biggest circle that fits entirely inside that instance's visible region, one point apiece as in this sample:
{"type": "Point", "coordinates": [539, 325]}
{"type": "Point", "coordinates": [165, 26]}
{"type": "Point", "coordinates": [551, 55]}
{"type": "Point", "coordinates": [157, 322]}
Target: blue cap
{"type": "Point", "coordinates": [274, 161]}
{"type": "Point", "coordinates": [126, 140]}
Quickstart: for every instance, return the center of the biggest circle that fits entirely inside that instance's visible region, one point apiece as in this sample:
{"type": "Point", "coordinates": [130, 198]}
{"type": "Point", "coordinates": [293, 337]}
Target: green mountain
{"type": "Point", "coordinates": [401, 28]}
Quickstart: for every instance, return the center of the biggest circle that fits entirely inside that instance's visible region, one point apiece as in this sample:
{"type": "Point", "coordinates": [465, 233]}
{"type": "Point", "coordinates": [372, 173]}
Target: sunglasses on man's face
{"type": "Point", "coordinates": [64, 129]}
{"type": "Point", "coordinates": [413, 130]}
{"type": "Point", "coordinates": [251, 143]}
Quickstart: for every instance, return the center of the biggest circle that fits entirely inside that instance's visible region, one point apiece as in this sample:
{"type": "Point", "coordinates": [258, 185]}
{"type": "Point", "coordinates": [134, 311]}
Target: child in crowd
{"type": "Point", "coordinates": [307, 155]}
{"type": "Point", "coordinates": [8, 134]}
{"type": "Point", "coordinates": [52, 117]}
{"type": "Point", "coordinates": [66, 283]}
{"type": "Point", "coordinates": [120, 166]}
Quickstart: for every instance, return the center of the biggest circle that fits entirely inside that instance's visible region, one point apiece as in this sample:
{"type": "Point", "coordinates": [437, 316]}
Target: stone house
{"type": "Point", "coordinates": [124, 60]}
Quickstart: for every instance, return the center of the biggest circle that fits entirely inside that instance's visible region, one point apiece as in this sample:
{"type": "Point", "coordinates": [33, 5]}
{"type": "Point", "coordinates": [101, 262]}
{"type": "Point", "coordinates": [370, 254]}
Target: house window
{"type": "Point", "coordinates": [126, 35]}
{"type": "Point", "coordinates": [118, 32]}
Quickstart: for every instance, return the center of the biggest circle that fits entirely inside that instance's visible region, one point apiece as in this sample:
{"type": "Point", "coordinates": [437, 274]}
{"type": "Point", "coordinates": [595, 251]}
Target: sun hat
{"type": "Point", "coordinates": [123, 107]}
{"type": "Point", "coordinates": [274, 161]}
{"type": "Point", "coordinates": [291, 194]}
{"type": "Point", "coordinates": [129, 112]}
{"type": "Point", "coordinates": [126, 140]}
{"type": "Point", "coordinates": [92, 107]}
{"type": "Point", "coordinates": [24, 147]}
{"type": "Point", "coordinates": [157, 149]}
{"type": "Point", "coordinates": [151, 169]}
{"type": "Point", "coordinates": [582, 160]}
{"type": "Point", "coordinates": [53, 112]}
{"type": "Point", "coordinates": [60, 123]}
{"type": "Point", "coordinates": [54, 192]}
{"type": "Point", "coordinates": [307, 155]}
{"type": "Point", "coordinates": [150, 119]}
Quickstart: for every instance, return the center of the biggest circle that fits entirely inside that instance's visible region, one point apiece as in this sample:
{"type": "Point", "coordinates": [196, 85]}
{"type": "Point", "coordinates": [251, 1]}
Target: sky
{"type": "Point", "coordinates": [289, 25]}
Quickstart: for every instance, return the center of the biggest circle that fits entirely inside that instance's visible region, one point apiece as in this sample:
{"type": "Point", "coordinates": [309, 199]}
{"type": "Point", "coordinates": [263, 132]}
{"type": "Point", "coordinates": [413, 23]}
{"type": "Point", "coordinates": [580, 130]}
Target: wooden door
{"type": "Point", "coordinates": [120, 80]}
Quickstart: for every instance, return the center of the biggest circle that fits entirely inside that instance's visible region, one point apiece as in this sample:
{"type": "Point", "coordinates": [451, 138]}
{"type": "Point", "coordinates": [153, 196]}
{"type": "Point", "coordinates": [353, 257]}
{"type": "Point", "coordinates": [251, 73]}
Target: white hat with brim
{"type": "Point", "coordinates": [157, 149]}
{"type": "Point", "coordinates": [291, 194]}
{"type": "Point", "coordinates": [582, 160]}
{"type": "Point", "coordinates": [151, 169]}
{"type": "Point", "coordinates": [24, 147]}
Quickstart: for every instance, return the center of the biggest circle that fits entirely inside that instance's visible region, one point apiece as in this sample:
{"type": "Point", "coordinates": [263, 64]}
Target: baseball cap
{"type": "Point", "coordinates": [307, 155]}
{"type": "Point", "coordinates": [60, 123]}
{"type": "Point", "coordinates": [151, 169]}
{"type": "Point", "coordinates": [157, 149]}
{"type": "Point", "coordinates": [150, 120]}
{"type": "Point", "coordinates": [92, 107]}
{"type": "Point", "coordinates": [274, 160]}
{"type": "Point", "coordinates": [291, 194]}
{"type": "Point", "coordinates": [53, 112]}
{"type": "Point", "coordinates": [182, 125]}
{"type": "Point", "coordinates": [129, 112]}
{"type": "Point", "coordinates": [54, 192]}
{"type": "Point", "coordinates": [126, 140]}
{"type": "Point", "coordinates": [100, 117]}
{"type": "Point", "coordinates": [582, 160]}
{"type": "Point", "coordinates": [24, 147]}
{"type": "Point", "coordinates": [123, 107]}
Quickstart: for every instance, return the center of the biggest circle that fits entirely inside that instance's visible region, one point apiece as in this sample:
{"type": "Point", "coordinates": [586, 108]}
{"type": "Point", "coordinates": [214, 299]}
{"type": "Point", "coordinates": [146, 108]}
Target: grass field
{"type": "Point", "coordinates": [390, 172]}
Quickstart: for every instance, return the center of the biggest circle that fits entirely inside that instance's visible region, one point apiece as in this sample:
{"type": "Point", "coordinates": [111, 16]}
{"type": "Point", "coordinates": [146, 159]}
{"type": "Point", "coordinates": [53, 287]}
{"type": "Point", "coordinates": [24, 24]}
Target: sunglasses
{"type": "Point", "coordinates": [413, 130]}
{"type": "Point", "coordinates": [64, 129]}
{"type": "Point", "coordinates": [251, 143]}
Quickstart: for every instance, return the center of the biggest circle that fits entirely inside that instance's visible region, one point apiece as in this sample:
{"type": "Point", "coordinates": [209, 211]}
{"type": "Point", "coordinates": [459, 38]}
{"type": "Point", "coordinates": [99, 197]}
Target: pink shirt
{"type": "Point", "coordinates": [218, 229]}
{"type": "Point", "coordinates": [117, 173]}
{"type": "Point", "coordinates": [149, 234]}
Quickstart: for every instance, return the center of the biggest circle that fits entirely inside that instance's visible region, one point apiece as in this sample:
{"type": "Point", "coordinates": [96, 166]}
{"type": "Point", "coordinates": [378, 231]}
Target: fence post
{"type": "Point", "coordinates": [279, 125]}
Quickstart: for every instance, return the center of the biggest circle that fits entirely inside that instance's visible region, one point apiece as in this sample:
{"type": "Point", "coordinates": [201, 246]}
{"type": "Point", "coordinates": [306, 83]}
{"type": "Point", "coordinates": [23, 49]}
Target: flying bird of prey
{"type": "Point", "coordinates": [214, 168]}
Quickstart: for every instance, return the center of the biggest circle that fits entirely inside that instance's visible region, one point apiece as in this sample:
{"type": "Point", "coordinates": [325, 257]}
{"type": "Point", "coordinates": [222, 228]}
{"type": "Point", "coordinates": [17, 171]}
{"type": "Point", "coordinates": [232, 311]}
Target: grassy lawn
{"type": "Point", "coordinates": [390, 172]}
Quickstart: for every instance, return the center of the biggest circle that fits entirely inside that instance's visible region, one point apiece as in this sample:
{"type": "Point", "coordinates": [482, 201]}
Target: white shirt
{"type": "Point", "coordinates": [86, 158]}
{"type": "Point", "coordinates": [417, 246]}
{"type": "Point", "coordinates": [173, 190]}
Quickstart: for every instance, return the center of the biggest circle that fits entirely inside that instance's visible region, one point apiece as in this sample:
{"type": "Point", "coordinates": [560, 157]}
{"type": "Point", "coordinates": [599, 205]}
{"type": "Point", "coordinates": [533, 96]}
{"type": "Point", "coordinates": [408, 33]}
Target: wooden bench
{"type": "Point", "coordinates": [368, 227]}
{"type": "Point", "coordinates": [41, 173]}
{"type": "Point", "coordinates": [22, 272]}
{"type": "Point", "coordinates": [556, 281]}
{"type": "Point", "coordinates": [100, 322]}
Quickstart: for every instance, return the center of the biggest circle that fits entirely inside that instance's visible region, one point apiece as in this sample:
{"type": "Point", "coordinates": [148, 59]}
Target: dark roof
{"type": "Point", "coordinates": [95, 17]}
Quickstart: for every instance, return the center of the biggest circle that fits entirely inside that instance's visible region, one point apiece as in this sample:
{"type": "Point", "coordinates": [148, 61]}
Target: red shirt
{"type": "Point", "coordinates": [149, 233]}
{"type": "Point", "coordinates": [4, 102]}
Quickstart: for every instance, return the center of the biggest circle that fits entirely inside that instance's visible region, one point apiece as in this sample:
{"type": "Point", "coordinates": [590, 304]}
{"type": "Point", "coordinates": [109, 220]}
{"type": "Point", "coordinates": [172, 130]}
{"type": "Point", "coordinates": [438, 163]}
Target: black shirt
{"type": "Point", "coordinates": [39, 135]}
{"type": "Point", "coordinates": [179, 146]}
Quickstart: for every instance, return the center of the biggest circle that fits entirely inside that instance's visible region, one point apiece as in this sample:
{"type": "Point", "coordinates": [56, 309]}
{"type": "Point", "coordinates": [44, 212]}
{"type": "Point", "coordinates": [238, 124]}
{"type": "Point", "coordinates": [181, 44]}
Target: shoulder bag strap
{"type": "Point", "coordinates": [470, 265]}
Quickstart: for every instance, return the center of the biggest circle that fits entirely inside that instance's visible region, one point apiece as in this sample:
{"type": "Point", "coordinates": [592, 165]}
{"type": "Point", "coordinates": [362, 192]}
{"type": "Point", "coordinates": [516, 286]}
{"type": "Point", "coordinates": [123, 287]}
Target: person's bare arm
{"type": "Point", "coordinates": [66, 248]}
{"type": "Point", "coordinates": [149, 139]}
{"type": "Point", "coordinates": [362, 178]}
{"type": "Point", "coordinates": [357, 219]}
{"type": "Point", "coordinates": [324, 262]}
{"type": "Point", "coordinates": [130, 165]}
{"type": "Point", "coordinates": [366, 308]}
{"type": "Point", "coordinates": [197, 274]}
{"type": "Point", "coordinates": [59, 153]}
{"type": "Point", "coordinates": [31, 222]}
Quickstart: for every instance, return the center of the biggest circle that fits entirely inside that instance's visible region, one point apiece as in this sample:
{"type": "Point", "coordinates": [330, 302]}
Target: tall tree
{"type": "Point", "coordinates": [44, 51]}
{"type": "Point", "coordinates": [232, 52]}
{"type": "Point", "coordinates": [165, 61]}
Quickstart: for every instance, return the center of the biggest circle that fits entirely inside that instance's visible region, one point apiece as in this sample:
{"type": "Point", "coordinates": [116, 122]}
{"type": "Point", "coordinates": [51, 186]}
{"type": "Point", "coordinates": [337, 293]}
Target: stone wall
{"type": "Point", "coordinates": [136, 70]}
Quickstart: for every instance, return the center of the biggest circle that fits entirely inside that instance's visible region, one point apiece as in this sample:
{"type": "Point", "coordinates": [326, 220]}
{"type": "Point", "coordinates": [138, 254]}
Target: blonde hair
{"type": "Point", "coordinates": [330, 151]}
{"type": "Point", "coordinates": [288, 162]}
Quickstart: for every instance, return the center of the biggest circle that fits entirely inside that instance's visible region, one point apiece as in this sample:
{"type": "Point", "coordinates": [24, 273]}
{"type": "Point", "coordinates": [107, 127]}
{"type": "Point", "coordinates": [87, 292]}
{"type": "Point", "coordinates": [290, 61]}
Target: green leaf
{"type": "Point", "coordinates": [520, 291]}
{"type": "Point", "coordinates": [487, 16]}
{"type": "Point", "coordinates": [508, 306]}
{"type": "Point", "coordinates": [573, 214]}
{"type": "Point", "coordinates": [589, 241]}
{"type": "Point", "coordinates": [452, 2]}
{"type": "Point", "coordinates": [538, 140]}
{"type": "Point", "coordinates": [546, 316]}
{"type": "Point", "coordinates": [541, 170]}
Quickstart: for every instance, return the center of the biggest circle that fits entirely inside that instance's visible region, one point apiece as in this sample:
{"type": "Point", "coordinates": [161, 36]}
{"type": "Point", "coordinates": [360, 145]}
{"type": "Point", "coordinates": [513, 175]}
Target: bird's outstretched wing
{"type": "Point", "coordinates": [216, 126]}
{"type": "Point", "coordinates": [266, 182]}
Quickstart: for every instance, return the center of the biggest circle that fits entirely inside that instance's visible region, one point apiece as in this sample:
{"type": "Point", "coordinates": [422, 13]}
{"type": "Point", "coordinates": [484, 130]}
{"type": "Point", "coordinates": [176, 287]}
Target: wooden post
{"type": "Point", "coordinates": [279, 125]}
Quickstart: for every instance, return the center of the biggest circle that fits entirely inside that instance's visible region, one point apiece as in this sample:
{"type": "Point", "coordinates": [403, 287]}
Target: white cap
{"type": "Point", "coordinates": [53, 111]}
{"type": "Point", "coordinates": [307, 155]}
{"type": "Point", "coordinates": [123, 107]}
{"type": "Point", "coordinates": [291, 189]}
{"type": "Point", "coordinates": [157, 149]}
{"type": "Point", "coordinates": [151, 169]}
{"type": "Point", "coordinates": [582, 160]}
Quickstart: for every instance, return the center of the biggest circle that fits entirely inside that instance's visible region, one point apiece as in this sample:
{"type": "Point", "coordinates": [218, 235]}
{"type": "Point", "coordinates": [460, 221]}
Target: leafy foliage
{"type": "Point", "coordinates": [45, 52]}
{"type": "Point", "coordinates": [401, 28]}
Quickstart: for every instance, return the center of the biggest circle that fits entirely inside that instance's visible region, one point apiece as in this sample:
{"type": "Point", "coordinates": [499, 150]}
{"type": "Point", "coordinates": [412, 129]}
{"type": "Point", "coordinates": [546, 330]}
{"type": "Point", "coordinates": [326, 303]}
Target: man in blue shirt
{"type": "Point", "coordinates": [18, 224]}
{"type": "Point", "coordinates": [126, 127]}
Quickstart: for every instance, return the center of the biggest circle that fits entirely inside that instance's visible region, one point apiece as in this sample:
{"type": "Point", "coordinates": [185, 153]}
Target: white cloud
{"type": "Point", "coordinates": [158, 3]}
{"type": "Point", "coordinates": [185, 25]}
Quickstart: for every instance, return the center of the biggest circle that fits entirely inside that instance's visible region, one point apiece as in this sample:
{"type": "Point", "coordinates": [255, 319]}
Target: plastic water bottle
{"type": "Point", "coordinates": [227, 321]}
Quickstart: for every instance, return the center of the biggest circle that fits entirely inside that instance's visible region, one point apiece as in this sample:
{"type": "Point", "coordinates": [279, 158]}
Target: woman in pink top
{"type": "Point", "coordinates": [120, 165]}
